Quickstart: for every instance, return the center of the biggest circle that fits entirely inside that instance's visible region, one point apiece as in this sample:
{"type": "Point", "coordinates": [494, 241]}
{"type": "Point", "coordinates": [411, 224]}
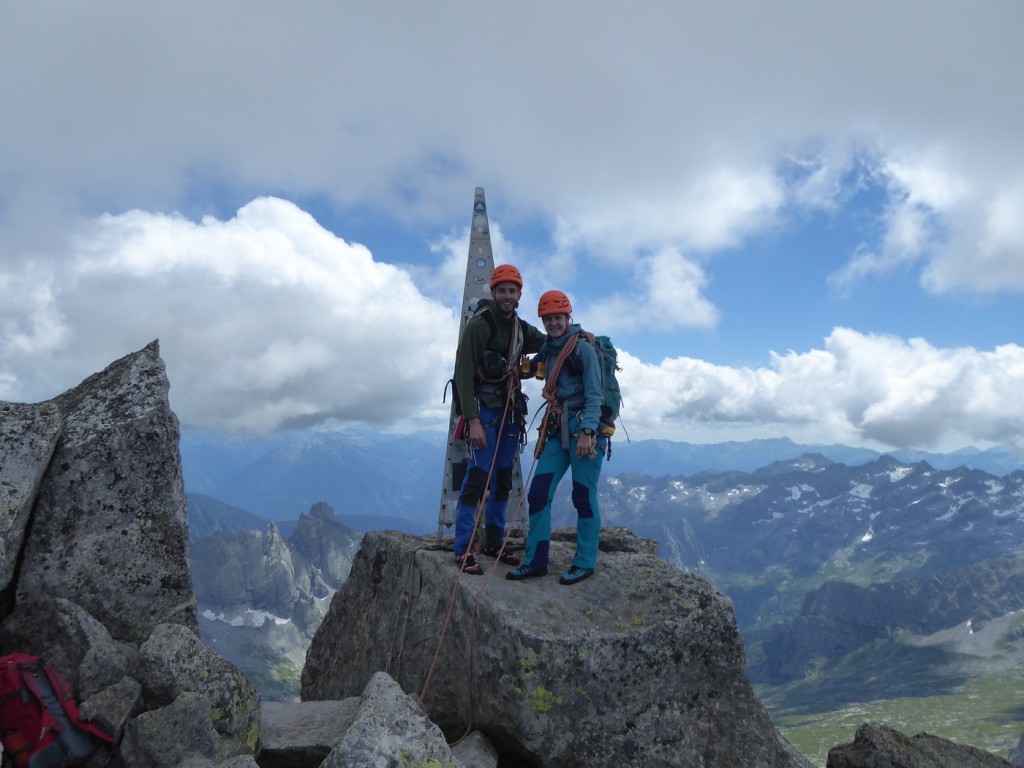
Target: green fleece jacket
{"type": "Point", "coordinates": [476, 339]}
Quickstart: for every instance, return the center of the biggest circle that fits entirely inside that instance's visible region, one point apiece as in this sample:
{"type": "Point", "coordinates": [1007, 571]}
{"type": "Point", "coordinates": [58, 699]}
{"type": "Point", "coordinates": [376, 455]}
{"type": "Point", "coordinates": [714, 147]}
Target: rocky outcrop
{"type": "Point", "coordinates": [388, 722]}
{"type": "Point", "coordinates": [876, 745]}
{"type": "Point", "coordinates": [96, 578]}
{"type": "Point", "coordinates": [303, 734]}
{"type": "Point", "coordinates": [261, 596]}
{"type": "Point", "coordinates": [291, 578]}
{"type": "Point", "coordinates": [639, 665]}
{"type": "Point", "coordinates": [327, 545]}
{"type": "Point", "coordinates": [108, 518]}
{"type": "Point", "coordinates": [96, 568]}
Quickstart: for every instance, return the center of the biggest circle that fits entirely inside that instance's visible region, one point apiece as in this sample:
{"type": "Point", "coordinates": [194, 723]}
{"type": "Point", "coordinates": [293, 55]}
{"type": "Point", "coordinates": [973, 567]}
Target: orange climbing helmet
{"type": "Point", "coordinates": [506, 273]}
{"type": "Point", "coordinates": [554, 303]}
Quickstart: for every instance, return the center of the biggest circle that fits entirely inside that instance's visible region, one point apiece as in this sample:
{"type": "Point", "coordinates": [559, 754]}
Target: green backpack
{"type": "Point", "coordinates": [608, 357]}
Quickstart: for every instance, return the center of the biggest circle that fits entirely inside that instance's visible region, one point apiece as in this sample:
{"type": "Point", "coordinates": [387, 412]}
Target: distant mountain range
{"type": "Point", "coordinates": [375, 481]}
{"type": "Point", "coordinates": [767, 535]}
{"type": "Point", "coordinates": [856, 577]}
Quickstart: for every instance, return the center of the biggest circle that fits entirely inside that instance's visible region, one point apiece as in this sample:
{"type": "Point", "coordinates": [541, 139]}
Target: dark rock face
{"type": "Point", "coordinates": [639, 665]}
{"type": "Point", "coordinates": [261, 597]}
{"type": "Point", "coordinates": [839, 617]}
{"type": "Point", "coordinates": [264, 571]}
{"type": "Point", "coordinates": [326, 544]}
{"type": "Point", "coordinates": [879, 746]}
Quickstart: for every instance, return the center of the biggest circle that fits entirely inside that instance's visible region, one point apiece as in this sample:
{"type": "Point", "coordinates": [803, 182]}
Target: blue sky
{"type": "Point", "coordinates": [795, 219]}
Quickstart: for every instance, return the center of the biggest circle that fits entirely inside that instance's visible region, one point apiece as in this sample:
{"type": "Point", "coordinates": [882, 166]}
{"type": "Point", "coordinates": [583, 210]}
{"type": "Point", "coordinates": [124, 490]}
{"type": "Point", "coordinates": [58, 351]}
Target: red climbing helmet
{"type": "Point", "coordinates": [554, 303]}
{"type": "Point", "coordinates": [506, 273]}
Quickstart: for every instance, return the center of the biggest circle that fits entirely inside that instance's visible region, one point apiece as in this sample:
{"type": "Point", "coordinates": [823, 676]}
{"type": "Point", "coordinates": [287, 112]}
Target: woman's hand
{"type": "Point", "coordinates": [585, 446]}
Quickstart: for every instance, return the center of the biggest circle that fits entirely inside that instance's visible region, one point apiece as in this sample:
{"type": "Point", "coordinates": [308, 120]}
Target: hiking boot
{"type": "Point", "coordinates": [574, 574]}
{"type": "Point", "coordinates": [505, 556]}
{"type": "Point", "coordinates": [526, 572]}
{"type": "Point", "coordinates": [468, 564]}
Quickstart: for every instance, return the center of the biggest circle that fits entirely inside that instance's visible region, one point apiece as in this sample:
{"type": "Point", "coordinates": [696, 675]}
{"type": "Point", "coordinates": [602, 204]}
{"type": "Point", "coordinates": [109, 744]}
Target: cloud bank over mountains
{"type": "Point", "coordinates": [196, 172]}
{"type": "Point", "coordinates": [353, 339]}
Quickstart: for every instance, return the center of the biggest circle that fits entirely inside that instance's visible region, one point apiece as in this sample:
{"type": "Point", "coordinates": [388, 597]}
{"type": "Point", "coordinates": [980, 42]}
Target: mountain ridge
{"type": "Point", "coordinates": [369, 475]}
{"type": "Point", "coordinates": [777, 538]}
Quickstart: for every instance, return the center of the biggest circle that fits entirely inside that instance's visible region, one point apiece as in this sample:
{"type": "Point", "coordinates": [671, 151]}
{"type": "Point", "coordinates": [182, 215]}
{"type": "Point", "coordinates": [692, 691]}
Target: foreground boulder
{"type": "Point", "coordinates": [879, 746]}
{"type": "Point", "coordinates": [387, 723]}
{"type": "Point", "coordinates": [382, 727]}
{"type": "Point", "coordinates": [639, 665]}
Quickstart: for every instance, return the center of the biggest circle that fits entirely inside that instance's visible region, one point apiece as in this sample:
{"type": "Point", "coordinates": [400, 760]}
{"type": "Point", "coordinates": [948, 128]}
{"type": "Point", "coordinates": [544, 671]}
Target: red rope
{"type": "Point", "coordinates": [550, 391]}
{"type": "Point", "coordinates": [512, 386]}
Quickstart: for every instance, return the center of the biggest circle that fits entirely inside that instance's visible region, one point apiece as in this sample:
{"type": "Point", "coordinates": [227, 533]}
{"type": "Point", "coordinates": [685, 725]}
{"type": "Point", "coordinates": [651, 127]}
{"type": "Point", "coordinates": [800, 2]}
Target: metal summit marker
{"type": "Point", "coordinates": [479, 266]}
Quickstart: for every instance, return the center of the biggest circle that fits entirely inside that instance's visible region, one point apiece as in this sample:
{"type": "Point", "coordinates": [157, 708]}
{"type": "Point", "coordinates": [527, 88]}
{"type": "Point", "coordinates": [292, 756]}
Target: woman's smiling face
{"type": "Point", "coordinates": [555, 325]}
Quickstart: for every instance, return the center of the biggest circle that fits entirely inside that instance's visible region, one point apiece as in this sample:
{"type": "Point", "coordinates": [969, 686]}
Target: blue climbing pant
{"type": "Point", "coordinates": [552, 465]}
{"type": "Point", "coordinates": [476, 480]}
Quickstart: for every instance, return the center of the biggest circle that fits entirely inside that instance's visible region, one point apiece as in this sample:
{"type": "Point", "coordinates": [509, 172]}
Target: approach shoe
{"type": "Point", "coordinates": [574, 574]}
{"type": "Point", "coordinates": [505, 556]}
{"type": "Point", "coordinates": [468, 564]}
{"type": "Point", "coordinates": [526, 572]}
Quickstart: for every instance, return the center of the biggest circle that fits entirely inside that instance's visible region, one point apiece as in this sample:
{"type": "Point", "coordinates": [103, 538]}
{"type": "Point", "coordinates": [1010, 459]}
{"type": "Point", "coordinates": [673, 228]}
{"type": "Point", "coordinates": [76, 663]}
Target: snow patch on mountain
{"type": "Point", "coordinates": [899, 473]}
{"type": "Point", "coordinates": [796, 491]}
{"type": "Point", "coordinates": [249, 617]}
{"type": "Point", "coordinates": [861, 490]}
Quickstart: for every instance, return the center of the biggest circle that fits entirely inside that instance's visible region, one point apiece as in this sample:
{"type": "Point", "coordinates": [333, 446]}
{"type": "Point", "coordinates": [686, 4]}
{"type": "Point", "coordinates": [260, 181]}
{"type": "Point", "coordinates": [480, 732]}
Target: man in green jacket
{"type": "Point", "coordinates": [494, 410]}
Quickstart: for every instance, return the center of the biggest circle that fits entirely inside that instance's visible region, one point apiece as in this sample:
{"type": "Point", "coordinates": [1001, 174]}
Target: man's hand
{"type": "Point", "coordinates": [477, 436]}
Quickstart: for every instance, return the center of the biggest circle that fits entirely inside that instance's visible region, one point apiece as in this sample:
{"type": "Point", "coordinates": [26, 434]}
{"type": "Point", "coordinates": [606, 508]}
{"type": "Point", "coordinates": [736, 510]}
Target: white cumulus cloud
{"type": "Point", "coordinates": [860, 388]}
{"type": "Point", "coordinates": [265, 320]}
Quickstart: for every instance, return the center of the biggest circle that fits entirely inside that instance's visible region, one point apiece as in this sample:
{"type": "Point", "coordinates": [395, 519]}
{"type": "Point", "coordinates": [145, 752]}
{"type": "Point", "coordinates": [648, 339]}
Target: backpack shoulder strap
{"type": "Point", "coordinates": [492, 325]}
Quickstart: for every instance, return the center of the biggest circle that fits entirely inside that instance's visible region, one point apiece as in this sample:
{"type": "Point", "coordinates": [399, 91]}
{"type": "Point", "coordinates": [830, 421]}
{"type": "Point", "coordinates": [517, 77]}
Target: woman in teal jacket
{"type": "Point", "coordinates": [570, 441]}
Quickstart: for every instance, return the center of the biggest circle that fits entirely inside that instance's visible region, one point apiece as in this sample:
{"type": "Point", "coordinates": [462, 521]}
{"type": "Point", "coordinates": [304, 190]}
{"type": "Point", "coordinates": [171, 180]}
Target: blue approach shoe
{"type": "Point", "coordinates": [574, 574]}
{"type": "Point", "coordinates": [525, 572]}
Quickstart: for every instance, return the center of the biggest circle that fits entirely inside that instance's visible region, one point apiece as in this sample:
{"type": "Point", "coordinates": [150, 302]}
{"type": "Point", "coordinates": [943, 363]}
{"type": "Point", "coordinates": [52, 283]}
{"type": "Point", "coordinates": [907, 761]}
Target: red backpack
{"type": "Point", "coordinates": [40, 725]}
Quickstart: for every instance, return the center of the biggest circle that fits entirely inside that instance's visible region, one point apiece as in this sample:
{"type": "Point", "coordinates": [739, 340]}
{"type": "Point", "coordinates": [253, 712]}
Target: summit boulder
{"type": "Point", "coordinates": [639, 665]}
